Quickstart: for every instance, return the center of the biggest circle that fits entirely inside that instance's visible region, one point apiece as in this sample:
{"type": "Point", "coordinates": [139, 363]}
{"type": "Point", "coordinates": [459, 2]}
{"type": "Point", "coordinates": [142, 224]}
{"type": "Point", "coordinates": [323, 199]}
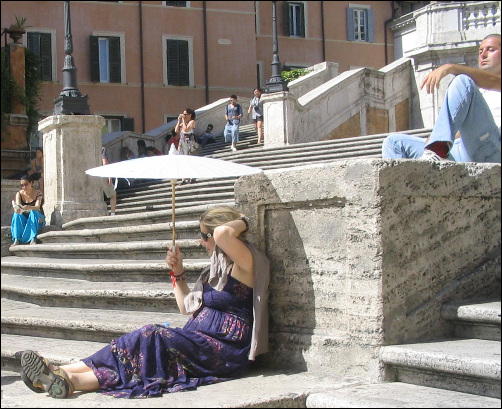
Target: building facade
{"type": "Point", "coordinates": [142, 62]}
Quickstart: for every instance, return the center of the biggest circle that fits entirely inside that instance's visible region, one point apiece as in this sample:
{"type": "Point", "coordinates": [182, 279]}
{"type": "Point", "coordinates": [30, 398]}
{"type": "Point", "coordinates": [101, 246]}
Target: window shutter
{"type": "Point", "coordinates": [94, 58]}
{"type": "Point", "coordinates": [176, 3]}
{"type": "Point", "coordinates": [287, 18]}
{"type": "Point", "coordinates": [46, 56]}
{"type": "Point", "coordinates": [184, 63]}
{"type": "Point", "coordinates": [172, 62]}
{"type": "Point", "coordinates": [302, 20]}
{"type": "Point", "coordinates": [33, 44]}
{"type": "Point", "coordinates": [128, 124]}
{"type": "Point", "coordinates": [40, 45]}
{"type": "Point", "coordinates": [115, 59]}
{"type": "Point", "coordinates": [178, 68]}
{"type": "Point", "coordinates": [371, 26]}
{"type": "Point", "coordinates": [350, 24]}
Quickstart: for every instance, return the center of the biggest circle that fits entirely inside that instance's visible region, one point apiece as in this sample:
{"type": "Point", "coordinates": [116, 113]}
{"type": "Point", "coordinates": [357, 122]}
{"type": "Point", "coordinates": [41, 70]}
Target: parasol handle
{"type": "Point", "coordinates": [173, 189]}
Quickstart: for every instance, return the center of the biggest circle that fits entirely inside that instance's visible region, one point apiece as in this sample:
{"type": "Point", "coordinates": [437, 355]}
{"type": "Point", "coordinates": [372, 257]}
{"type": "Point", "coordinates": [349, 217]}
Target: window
{"type": "Point", "coordinates": [177, 61]}
{"type": "Point", "coordinates": [294, 21]}
{"type": "Point", "coordinates": [176, 3]}
{"type": "Point", "coordinates": [360, 24]}
{"type": "Point", "coordinates": [117, 124]}
{"type": "Point", "coordinates": [40, 44]}
{"type": "Point", "coordinates": [105, 59]}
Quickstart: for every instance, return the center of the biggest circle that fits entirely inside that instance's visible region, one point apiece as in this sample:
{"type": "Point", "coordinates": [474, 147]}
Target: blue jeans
{"type": "Point", "coordinates": [465, 110]}
{"type": "Point", "coordinates": [25, 228]}
{"type": "Point", "coordinates": [231, 133]}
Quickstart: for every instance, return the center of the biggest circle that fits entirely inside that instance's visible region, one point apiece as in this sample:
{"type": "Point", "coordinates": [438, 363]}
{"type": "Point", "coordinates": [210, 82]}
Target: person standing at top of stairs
{"type": "Point", "coordinates": [233, 115]}
{"type": "Point", "coordinates": [256, 111]}
{"type": "Point", "coordinates": [185, 127]}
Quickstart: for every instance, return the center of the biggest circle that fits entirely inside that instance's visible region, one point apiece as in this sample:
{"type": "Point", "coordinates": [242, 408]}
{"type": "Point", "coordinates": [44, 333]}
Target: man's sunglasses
{"type": "Point", "coordinates": [205, 236]}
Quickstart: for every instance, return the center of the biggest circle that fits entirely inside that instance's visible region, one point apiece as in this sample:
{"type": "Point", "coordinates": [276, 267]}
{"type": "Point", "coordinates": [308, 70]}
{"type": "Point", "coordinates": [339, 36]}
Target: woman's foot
{"type": "Point", "coordinates": [15, 243]}
{"type": "Point", "coordinates": [33, 241]}
{"type": "Point", "coordinates": [56, 381]}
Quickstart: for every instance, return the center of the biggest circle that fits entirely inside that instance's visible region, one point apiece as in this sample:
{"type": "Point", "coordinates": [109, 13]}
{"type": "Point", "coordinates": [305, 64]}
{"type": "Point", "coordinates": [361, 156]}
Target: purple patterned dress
{"type": "Point", "coordinates": [212, 347]}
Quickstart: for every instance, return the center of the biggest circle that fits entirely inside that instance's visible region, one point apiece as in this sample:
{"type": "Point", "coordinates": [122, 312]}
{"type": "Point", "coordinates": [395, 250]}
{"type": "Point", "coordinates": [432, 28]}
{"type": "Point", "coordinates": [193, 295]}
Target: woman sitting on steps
{"type": "Point", "coordinates": [28, 215]}
{"type": "Point", "coordinates": [227, 329]}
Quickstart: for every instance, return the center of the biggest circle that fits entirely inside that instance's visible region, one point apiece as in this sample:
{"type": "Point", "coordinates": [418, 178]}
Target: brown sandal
{"type": "Point", "coordinates": [38, 388]}
{"type": "Point", "coordinates": [55, 382]}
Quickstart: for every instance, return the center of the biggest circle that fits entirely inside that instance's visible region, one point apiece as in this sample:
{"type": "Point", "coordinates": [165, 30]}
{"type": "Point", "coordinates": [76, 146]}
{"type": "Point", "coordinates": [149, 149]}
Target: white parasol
{"type": "Point", "coordinates": [173, 167]}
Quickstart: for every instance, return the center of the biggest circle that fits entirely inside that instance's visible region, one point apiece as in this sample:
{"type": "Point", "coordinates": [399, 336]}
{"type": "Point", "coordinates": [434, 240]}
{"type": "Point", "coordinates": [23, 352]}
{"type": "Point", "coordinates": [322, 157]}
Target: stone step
{"type": "Point", "coordinates": [479, 320]}
{"type": "Point", "coordinates": [397, 395]}
{"type": "Point", "coordinates": [305, 161]}
{"type": "Point", "coordinates": [465, 365]}
{"type": "Point", "coordinates": [77, 293]}
{"type": "Point", "coordinates": [153, 250]}
{"type": "Point", "coordinates": [349, 144]}
{"type": "Point", "coordinates": [319, 151]}
{"type": "Point", "coordinates": [259, 388]}
{"type": "Point", "coordinates": [165, 202]}
{"type": "Point", "coordinates": [90, 324]}
{"type": "Point", "coordinates": [158, 231]}
{"type": "Point", "coordinates": [58, 351]}
{"type": "Point", "coordinates": [164, 189]}
{"type": "Point", "coordinates": [162, 206]}
{"type": "Point", "coordinates": [251, 138]}
{"type": "Point", "coordinates": [299, 157]}
{"type": "Point", "coordinates": [97, 270]}
{"type": "Point", "coordinates": [184, 213]}
{"type": "Point", "coordinates": [159, 196]}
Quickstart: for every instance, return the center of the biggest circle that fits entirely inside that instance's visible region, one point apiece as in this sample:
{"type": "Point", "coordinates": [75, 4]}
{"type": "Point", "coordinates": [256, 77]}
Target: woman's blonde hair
{"type": "Point", "coordinates": [218, 215]}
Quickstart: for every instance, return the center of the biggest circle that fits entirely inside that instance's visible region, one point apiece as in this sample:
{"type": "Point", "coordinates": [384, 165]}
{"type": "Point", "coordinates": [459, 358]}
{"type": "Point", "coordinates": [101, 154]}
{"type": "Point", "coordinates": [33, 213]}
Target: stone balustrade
{"type": "Point", "coordinates": [358, 102]}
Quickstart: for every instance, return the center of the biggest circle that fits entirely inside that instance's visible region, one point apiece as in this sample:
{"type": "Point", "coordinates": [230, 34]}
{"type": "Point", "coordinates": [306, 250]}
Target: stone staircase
{"type": "Point", "coordinates": [426, 374]}
{"type": "Point", "coordinates": [98, 278]}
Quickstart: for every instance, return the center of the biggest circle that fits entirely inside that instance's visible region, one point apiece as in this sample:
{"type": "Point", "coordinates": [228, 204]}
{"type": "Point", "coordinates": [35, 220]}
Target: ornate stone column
{"type": "Point", "coordinates": [72, 144]}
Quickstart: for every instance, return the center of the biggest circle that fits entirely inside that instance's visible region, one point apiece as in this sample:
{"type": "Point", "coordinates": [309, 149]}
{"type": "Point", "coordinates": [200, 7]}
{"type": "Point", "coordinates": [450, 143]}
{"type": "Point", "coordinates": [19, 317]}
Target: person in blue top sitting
{"type": "Point", "coordinates": [28, 215]}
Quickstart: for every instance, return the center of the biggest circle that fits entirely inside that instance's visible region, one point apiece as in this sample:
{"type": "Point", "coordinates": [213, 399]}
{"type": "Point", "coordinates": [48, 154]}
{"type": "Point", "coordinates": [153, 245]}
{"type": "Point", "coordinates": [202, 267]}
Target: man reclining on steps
{"type": "Point", "coordinates": [468, 125]}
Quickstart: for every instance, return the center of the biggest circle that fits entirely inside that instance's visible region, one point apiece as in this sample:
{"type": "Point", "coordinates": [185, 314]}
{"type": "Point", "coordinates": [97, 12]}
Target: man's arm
{"type": "Point", "coordinates": [482, 78]}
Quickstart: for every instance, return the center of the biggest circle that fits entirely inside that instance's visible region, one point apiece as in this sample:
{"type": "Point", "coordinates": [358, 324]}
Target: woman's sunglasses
{"type": "Point", "coordinates": [205, 236]}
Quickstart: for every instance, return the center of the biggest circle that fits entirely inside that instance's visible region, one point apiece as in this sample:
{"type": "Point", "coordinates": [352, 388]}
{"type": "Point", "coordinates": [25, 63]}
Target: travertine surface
{"type": "Point", "coordinates": [364, 252]}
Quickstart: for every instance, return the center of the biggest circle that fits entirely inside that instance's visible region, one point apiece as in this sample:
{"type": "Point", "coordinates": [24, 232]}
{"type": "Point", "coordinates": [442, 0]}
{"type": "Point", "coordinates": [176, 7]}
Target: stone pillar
{"type": "Point", "coordinates": [72, 144]}
{"type": "Point", "coordinates": [278, 116]}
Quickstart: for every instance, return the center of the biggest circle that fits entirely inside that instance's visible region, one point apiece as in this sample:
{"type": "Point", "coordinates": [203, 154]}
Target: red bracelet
{"type": "Point", "coordinates": [171, 273]}
{"type": "Point", "coordinates": [175, 277]}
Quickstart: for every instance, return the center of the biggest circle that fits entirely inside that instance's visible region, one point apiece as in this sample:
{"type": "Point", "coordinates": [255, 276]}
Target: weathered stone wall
{"type": "Point", "coordinates": [364, 252]}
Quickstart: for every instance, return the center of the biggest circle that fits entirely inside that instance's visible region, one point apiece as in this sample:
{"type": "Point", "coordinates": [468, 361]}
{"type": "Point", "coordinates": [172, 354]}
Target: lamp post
{"type": "Point", "coordinates": [276, 83]}
{"type": "Point", "coordinates": [70, 100]}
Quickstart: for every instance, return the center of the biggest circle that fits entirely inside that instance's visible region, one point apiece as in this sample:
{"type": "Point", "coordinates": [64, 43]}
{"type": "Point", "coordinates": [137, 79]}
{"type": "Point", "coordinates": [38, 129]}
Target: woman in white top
{"type": "Point", "coordinates": [185, 128]}
{"type": "Point", "coordinates": [256, 110]}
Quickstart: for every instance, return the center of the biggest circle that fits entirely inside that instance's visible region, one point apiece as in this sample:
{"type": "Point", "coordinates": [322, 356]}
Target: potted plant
{"type": "Point", "coordinates": [17, 29]}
